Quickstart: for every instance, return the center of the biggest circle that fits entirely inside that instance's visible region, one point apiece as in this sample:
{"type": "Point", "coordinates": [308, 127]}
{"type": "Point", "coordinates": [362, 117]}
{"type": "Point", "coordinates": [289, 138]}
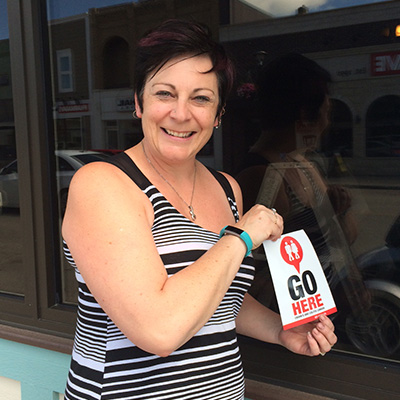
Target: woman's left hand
{"type": "Point", "coordinates": [312, 339]}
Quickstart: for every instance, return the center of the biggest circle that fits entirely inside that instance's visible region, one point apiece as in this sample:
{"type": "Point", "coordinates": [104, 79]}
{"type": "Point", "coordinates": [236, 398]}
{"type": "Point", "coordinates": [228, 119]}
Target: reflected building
{"type": "Point", "coordinates": [72, 106]}
{"type": "Point", "coordinates": [360, 49]}
{"type": "Point", "coordinates": [93, 99]}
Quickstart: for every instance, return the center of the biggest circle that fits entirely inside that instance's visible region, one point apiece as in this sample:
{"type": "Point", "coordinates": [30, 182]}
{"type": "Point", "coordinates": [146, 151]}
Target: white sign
{"type": "Point", "coordinates": [347, 68]}
{"type": "Point", "coordinates": [300, 285]}
{"type": "Point", "coordinates": [125, 104]}
{"type": "Point", "coordinates": [73, 108]}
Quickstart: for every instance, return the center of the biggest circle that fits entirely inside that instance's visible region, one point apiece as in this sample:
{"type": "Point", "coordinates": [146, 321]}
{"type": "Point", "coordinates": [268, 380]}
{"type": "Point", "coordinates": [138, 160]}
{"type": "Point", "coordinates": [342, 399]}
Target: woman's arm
{"type": "Point", "coordinates": [107, 226]}
{"type": "Point", "coordinates": [259, 322]}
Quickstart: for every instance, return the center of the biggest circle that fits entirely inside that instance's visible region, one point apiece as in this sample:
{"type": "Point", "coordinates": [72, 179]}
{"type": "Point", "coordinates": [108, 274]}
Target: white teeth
{"type": "Point", "coordinates": [178, 134]}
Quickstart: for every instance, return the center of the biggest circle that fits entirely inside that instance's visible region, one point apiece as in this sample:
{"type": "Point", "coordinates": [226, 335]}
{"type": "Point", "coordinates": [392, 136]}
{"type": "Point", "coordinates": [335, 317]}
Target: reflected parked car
{"type": "Point", "coordinates": [67, 163]}
{"type": "Point", "coordinates": [376, 331]}
{"type": "Point", "coordinates": [109, 152]}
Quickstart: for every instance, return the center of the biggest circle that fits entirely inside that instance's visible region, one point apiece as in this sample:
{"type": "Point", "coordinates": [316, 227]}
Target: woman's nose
{"type": "Point", "coordinates": [181, 111]}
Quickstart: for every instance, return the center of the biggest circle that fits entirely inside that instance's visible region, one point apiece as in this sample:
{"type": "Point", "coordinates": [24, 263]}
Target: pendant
{"type": "Point", "coordinates": [192, 214]}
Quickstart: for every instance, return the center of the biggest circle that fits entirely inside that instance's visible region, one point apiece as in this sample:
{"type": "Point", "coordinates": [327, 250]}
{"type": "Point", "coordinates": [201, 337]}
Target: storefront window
{"type": "Point", "coordinates": [316, 168]}
{"type": "Point", "coordinates": [330, 168]}
{"type": "Point", "coordinates": [11, 273]}
{"type": "Point", "coordinates": [334, 173]}
{"type": "Point", "coordinates": [328, 163]}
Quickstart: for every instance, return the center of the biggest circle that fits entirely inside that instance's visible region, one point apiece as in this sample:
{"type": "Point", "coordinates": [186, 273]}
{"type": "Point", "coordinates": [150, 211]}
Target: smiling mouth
{"type": "Point", "coordinates": [178, 134]}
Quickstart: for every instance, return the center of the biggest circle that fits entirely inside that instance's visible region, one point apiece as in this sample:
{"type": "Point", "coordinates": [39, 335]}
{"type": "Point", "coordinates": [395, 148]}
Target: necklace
{"type": "Point", "coordinates": [189, 206]}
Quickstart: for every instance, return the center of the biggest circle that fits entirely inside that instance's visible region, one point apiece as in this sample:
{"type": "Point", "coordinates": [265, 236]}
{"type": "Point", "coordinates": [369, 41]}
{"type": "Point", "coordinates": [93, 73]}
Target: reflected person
{"type": "Point", "coordinates": [283, 169]}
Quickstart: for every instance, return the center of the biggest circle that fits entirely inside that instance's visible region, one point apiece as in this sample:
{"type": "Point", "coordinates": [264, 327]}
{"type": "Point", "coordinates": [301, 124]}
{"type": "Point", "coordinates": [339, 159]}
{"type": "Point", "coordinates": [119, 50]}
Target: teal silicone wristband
{"type": "Point", "coordinates": [232, 230]}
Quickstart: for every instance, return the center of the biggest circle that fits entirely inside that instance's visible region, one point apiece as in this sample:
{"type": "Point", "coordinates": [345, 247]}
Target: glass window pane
{"type": "Point", "coordinates": [331, 169]}
{"type": "Point", "coordinates": [12, 278]}
{"type": "Point", "coordinates": [64, 64]}
{"type": "Point", "coordinates": [334, 172]}
{"type": "Point", "coordinates": [65, 81]}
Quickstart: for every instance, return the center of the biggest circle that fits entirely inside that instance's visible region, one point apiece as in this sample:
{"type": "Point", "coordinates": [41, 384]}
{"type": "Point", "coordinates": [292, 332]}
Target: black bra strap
{"type": "Point", "coordinates": [126, 164]}
{"type": "Point", "coordinates": [223, 182]}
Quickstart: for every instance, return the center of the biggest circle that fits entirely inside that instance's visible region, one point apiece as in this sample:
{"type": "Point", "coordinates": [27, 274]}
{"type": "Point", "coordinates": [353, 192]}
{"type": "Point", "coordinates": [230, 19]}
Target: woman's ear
{"type": "Point", "coordinates": [217, 122]}
{"type": "Point", "coordinates": [138, 110]}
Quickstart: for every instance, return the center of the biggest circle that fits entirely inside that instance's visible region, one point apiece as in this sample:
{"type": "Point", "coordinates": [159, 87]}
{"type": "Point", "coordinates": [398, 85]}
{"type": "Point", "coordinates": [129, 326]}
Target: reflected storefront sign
{"type": "Point", "coordinates": [384, 64]}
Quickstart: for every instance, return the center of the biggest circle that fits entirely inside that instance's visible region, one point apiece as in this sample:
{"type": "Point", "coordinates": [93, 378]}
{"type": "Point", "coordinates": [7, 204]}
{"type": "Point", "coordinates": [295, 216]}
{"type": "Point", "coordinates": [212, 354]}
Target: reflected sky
{"type": "Point", "coordinates": [289, 7]}
{"type": "Point", "coordinates": [61, 8]}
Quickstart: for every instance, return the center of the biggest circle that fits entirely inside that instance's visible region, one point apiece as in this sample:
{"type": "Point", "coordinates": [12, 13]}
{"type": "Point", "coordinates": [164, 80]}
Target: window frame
{"type": "Point", "coordinates": [38, 309]}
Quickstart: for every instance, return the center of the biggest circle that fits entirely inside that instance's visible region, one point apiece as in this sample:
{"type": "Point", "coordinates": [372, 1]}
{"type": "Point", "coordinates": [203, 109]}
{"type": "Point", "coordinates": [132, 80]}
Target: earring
{"type": "Point", "coordinates": [220, 117]}
{"type": "Point", "coordinates": [135, 115]}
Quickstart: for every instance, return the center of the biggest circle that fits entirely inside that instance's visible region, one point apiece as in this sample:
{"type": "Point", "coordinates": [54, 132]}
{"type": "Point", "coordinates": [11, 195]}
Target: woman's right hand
{"type": "Point", "coordinates": [261, 223]}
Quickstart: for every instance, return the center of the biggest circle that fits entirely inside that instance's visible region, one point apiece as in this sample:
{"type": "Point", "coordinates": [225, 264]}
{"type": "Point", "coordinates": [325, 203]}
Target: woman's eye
{"type": "Point", "coordinates": [163, 93]}
{"type": "Point", "coordinates": [202, 99]}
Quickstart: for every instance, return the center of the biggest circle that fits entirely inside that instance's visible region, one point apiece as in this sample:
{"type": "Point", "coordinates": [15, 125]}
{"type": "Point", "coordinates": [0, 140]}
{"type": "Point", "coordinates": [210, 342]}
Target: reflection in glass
{"type": "Point", "coordinates": [298, 164]}
{"type": "Point", "coordinates": [92, 99]}
{"type": "Point", "coordinates": [383, 127]}
{"type": "Point", "coordinates": [290, 7]}
{"type": "Point", "coordinates": [11, 271]}
{"type": "Point", "coordinates": [349, 203]}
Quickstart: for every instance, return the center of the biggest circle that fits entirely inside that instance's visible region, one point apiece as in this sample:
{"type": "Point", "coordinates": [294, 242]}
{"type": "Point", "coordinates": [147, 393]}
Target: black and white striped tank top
{"type": "Point", "coordinates": [106, 365]}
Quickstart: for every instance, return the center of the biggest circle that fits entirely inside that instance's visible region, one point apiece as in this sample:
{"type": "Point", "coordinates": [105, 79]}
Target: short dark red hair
{"type": "Point", "coordinates": [176, 38]}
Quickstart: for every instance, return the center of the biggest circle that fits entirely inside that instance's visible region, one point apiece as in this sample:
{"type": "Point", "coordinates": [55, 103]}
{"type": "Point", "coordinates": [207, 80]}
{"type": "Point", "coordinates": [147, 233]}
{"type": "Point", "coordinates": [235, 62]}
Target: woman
{"type": "Point", "coordinates": [160, 291]}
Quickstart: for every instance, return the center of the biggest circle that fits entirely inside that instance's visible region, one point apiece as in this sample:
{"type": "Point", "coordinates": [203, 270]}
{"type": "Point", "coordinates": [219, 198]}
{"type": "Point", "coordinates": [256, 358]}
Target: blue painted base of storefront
{"type": "Point", "coordinates": [41, 373]}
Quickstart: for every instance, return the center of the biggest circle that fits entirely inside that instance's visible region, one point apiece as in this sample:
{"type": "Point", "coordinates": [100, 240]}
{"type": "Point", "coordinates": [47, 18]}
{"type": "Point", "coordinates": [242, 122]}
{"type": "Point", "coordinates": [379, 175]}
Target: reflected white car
{"type": "Point", "coordinates": [67, 163]}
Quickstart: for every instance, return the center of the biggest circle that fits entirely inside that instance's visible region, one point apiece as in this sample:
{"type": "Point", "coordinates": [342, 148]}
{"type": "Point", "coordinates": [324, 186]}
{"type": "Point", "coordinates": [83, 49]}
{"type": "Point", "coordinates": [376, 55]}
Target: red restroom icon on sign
{"type": "Point", "coordinates": [292, 252]}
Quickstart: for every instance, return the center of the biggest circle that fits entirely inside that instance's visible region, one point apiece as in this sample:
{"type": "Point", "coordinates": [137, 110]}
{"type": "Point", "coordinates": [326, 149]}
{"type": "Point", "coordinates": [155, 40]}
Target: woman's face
{"type": "Point", "coordinates": [179, 108]}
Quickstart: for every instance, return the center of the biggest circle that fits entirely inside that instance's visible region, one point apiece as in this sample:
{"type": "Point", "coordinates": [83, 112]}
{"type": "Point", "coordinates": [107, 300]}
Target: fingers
{"type": "Point", "coordinates": [322, 337]}
{"type": "Point", "coordinates": [262, 223]}
{"type": "Point", "coordinates": [278, 222]}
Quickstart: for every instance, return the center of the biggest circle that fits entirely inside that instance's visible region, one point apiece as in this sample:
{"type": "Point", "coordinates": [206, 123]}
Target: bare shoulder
{"type": "Point", "coordinates": [93, 173]}
{"type": "Point", "coordinates": [98, 183]}
{"type": "Point", "coordinates": [100, 191]}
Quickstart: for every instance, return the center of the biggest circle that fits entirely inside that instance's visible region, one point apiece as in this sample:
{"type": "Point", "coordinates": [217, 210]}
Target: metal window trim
{"type": "Point", "coordinates": [32, 113]}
